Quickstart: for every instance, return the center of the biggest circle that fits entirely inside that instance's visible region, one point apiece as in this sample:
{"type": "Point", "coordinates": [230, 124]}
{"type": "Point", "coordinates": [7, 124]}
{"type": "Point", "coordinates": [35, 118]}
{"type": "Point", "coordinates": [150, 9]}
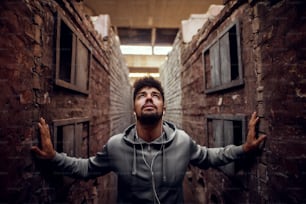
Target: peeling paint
{"type": "Point", "coordinates": [220, 101]}
{"type": "Point", "coordinates": [47, 99]}
{"type": "Point", "coordinates": [234, 97]}
{"type": "Point", "coordinates": [300, 94]}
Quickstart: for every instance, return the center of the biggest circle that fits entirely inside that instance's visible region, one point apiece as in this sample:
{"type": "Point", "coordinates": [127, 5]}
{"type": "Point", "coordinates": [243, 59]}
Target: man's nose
{"type": "Point", "coordinates": [149, 97]}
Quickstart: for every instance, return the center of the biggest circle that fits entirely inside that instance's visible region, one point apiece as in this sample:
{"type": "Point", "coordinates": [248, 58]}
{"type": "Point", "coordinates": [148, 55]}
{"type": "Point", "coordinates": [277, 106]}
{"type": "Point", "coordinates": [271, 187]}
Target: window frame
{"type": "Point", "coordinates": [76, 41]}
{"type": "Point", "coordinates": [59, 123]}
{"type": "Point", "coordinates": [232, 83]}
{"type": "Point", "coordinates": [232, 168]}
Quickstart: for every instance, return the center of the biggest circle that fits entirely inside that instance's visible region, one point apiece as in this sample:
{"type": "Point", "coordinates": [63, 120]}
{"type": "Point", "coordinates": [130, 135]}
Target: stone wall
{"type": "Point", "coordinates": [31, 89]}
{"type": "Point", "coordinates": [272, 42]}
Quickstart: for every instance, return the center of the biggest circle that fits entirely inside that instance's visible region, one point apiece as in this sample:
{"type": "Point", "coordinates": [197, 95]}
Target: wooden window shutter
{"type": "Point", "coordinates": [215, 65]}
{"type": "Point", "coordinates": [78, 139]}
{"type": "Point", "coordinates": [225, 59]}
{"type": "Point", "coordinates": [82, 66]}
{"type": "Point", "coordinates": [228, 139]}
{"type": "Point", "coordinates": [68, 139]}
{"type": "Point", "coordinates": [218, 133]}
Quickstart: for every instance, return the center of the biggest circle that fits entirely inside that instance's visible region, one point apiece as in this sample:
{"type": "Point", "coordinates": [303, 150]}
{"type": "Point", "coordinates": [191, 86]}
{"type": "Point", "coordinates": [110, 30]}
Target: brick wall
{"type": "Point", "coordinates": [121, 98]}
{"type": "Point", "coordinates": [272, 40]}
{"type": "Point", "coordinates": [171, 81]}
{"type": "Point", "coordinates": [281, 97]}
{"type": "Point", "coordinates": [30, 90]}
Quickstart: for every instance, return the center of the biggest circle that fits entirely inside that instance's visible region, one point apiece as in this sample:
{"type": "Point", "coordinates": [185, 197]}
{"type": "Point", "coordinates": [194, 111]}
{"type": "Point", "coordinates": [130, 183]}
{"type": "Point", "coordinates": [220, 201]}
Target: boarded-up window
{"type": "Point", "coordinates": [72, 136]}
{"type": "Point", "coordinates": [224, 130]}
{"type": "Point", "coordinates": [222, 61]}
{"type": "Point", "coordinates": [72, 58]}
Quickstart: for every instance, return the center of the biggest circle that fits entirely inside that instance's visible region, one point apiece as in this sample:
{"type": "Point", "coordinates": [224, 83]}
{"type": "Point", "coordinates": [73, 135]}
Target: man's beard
{"type": "Point", "coordinates": [149, 118]}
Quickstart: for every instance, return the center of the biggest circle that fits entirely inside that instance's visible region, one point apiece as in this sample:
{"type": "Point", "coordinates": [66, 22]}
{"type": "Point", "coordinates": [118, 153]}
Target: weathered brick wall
{"type": "Point", "coordinates": [281, 43]}
{"type": "Point", "coordinates": [27, 77]}
{"type": "Point", "coordinates": [171, 81]}
{"type": "Point", "coordinates": [121, 98]}
{"type": "Point", "coordinates": [272, 39]}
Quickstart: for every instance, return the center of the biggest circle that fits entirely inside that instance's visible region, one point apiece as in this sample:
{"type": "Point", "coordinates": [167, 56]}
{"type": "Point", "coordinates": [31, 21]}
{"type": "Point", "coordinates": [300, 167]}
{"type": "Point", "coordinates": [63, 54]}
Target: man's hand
{"type": "Point", "coordinates": [47, 151]}
{"type": "Point", "coordinates": [252, 142]}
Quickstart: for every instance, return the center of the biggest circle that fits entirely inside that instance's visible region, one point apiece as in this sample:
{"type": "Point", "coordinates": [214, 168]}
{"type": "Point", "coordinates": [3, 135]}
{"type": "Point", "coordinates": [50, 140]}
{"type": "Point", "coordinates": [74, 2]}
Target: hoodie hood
{"type": "Point", "coordinates": [167, 136]}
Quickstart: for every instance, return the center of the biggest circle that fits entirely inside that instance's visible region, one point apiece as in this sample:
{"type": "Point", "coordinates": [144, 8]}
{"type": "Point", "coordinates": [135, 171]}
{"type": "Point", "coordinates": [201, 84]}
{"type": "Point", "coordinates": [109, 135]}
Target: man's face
{"type": "Point", "coordinates": [148, 105]}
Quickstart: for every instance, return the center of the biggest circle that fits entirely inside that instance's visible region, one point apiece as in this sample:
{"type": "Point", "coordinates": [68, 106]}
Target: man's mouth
{"type": "Point", "coordinates": [148, 107]}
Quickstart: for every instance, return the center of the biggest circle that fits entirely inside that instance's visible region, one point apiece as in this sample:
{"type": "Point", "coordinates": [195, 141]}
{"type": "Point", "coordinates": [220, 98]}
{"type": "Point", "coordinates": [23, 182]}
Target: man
{"type": "Point", "coordinates": [151, 156]}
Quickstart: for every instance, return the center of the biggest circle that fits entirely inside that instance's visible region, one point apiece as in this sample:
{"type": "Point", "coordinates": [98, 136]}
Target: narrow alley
{"type": "Point", "coordinates": [57, 63]}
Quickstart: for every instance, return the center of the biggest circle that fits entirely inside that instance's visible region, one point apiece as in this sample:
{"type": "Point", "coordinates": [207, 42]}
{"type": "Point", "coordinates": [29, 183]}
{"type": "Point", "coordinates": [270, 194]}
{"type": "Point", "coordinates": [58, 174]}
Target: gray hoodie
{"type": "Point", "coordinates": [148, 172]}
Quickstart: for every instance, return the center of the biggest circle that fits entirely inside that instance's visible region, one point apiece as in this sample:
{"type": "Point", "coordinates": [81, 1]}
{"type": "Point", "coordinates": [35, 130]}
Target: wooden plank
{"type": "Point", "coordinates": [68, 139]}
{"type": "Point", "coordinates": [228, 139]}
{"type": "Point", "coordinates": [225, 59]}
{"type": "Point", "coordinates": [215, 65]}
{"type": "Point", "coordinates": [73, 59]}
{"type": "Point", "coordinates": [218, 133]}
{"type": "Point", "coordinates": [78, 139]}
{"type": "Point", "coordinates": [82, 66]}
{"type": "Point", "coordinates": [228, 132]}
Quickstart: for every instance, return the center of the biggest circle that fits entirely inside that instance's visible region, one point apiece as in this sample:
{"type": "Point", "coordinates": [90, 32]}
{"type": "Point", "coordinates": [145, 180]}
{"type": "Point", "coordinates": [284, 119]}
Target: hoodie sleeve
{"type": "Point", "coordinates": [83, 168]}
{"type": "Point", "coordinates": [204, 157]}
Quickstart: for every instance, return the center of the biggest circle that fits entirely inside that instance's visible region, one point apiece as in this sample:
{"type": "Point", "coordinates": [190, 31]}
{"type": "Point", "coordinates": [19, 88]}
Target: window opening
{"type": "Point", "coordinates": [224, 130]}
{"type": "Point", "coordinates": [65, 53]}
{"type": "Point", "coordinates": [222, 61]}
{"type": "Point", "coordinates": [73, 58]}
{"type": "Point", "coordinates": [72, 136]}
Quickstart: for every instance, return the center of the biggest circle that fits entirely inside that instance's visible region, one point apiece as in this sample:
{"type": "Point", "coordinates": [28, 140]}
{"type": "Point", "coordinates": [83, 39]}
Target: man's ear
{"type": "Point", "coordinates": [164, 110]}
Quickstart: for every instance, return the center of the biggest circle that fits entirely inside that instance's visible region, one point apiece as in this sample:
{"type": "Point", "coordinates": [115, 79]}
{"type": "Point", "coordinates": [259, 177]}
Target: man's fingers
{"type": "Point", "coordinates": [37, 151]}
{"type": "Point", "coordinates": [261, 138]}
{"type": "Point", "coordinates": [44, 129]}
{"type": "Point", "coordinates": [44, 154]}
{"type": "Point", "coordinates": [42, 121]}
{"type": "Point", "coordinates": [254, 114]}
{"type": "Point", "coordinates": [254, 120]}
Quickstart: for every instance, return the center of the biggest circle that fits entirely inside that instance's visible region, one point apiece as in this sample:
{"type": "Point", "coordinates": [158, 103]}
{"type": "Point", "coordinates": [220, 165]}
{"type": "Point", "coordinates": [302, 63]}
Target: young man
{"type": "Point", "coordinates": [151, 156]}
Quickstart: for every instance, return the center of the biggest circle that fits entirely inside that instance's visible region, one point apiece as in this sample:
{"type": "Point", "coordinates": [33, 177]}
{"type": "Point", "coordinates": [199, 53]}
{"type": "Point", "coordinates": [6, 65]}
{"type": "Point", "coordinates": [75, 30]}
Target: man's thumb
{"type": "Point", "coordinates": [37, 151]}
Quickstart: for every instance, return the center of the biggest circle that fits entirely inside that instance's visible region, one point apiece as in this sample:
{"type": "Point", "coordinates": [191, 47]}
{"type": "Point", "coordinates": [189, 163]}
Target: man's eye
{"type": "Point", "coordinates": [156, 95]}
{"type": "Point", "coordinates": [141, 95]}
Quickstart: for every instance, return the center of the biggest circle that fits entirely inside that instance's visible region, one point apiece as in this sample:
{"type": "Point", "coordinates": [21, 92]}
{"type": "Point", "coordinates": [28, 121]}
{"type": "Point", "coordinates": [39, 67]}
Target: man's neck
{"type": "Point", "coordinates": [149, 132]}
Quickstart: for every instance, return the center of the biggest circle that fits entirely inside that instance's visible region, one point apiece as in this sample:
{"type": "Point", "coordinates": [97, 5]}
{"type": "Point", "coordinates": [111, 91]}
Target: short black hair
{"type": "Point", "coordinates": [148, 81]}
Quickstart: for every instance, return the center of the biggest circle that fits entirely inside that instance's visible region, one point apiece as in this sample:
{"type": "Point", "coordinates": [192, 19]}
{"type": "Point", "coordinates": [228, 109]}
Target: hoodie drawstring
{"type": "Point", "coordinates": [134, 168]}
{"type": "Point", "coordinates": [164, 163]}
